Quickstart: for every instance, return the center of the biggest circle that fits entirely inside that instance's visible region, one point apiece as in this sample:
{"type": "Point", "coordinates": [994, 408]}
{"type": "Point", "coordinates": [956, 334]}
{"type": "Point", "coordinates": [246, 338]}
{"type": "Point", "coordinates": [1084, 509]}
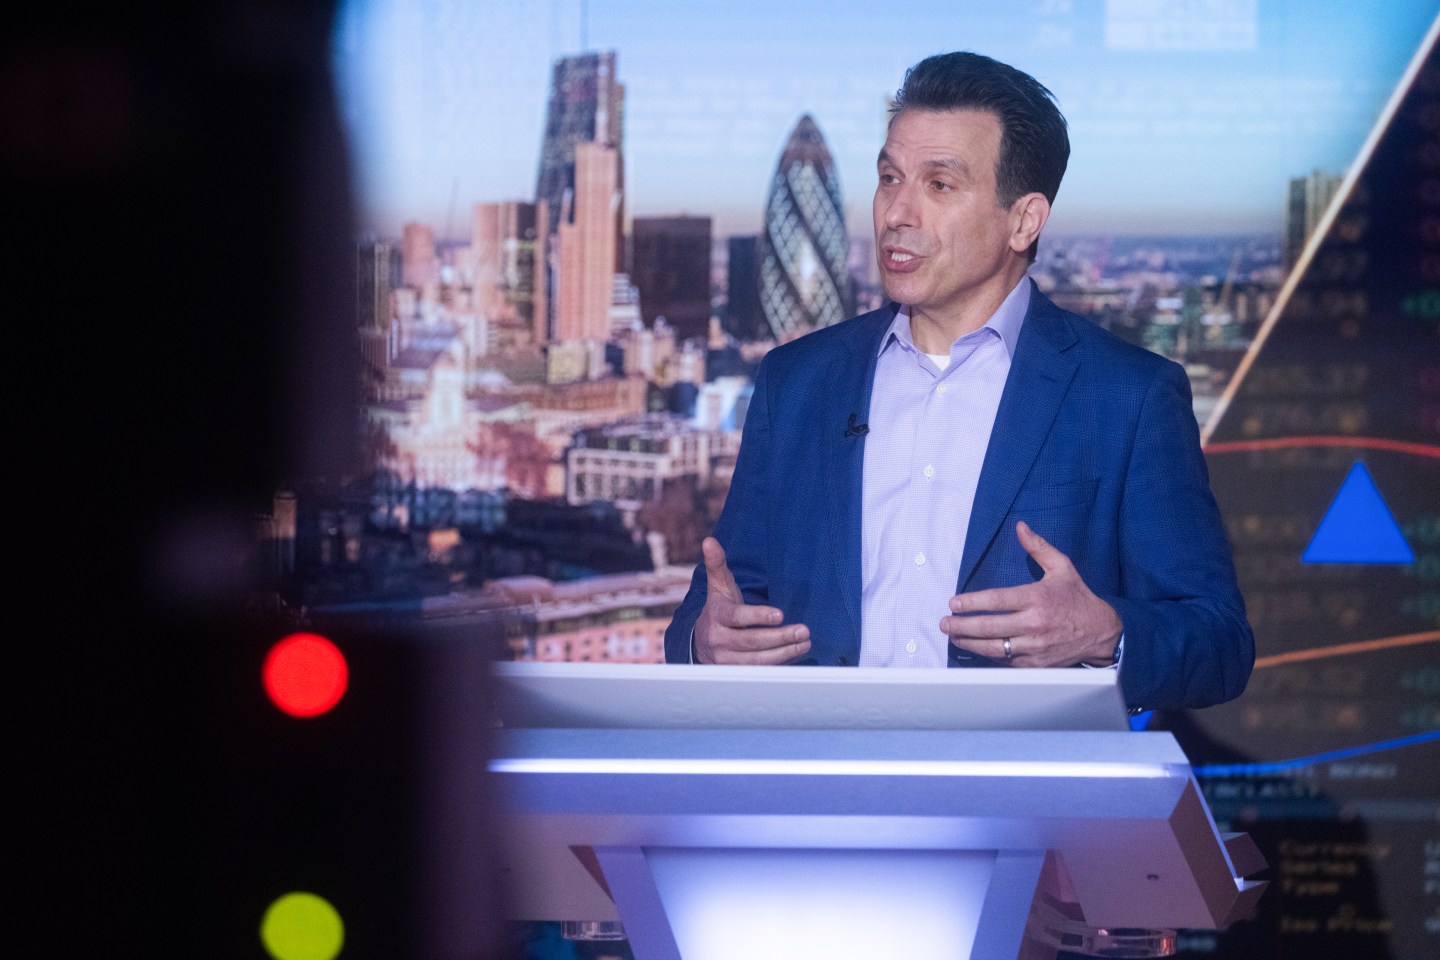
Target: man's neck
{"type": "Point", "coordinates": [934, 333]}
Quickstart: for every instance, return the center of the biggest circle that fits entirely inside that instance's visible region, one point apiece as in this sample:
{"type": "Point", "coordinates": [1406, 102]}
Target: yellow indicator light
{"type": "Point", "coordinates": [302, 926]}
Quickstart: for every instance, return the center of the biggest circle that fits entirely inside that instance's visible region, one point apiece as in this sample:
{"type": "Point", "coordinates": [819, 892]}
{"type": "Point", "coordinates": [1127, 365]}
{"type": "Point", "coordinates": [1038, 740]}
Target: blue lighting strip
{"type": "Point", "coordinates": [1282, 766]}
{"type": "Point", "coordinates": [801, 767]}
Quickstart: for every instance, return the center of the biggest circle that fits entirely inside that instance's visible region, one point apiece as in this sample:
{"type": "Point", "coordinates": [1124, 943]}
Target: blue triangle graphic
{"type": "Point", "coordinates": [1358, 527]}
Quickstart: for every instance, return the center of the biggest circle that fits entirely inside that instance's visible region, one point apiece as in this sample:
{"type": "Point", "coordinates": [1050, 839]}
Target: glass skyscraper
{"type": "Point", "coordinates": [581, 182]}
{"type": "Point", "coordinates": [803, 282]}
{"type": "Point", "coordinates": [586, 105]}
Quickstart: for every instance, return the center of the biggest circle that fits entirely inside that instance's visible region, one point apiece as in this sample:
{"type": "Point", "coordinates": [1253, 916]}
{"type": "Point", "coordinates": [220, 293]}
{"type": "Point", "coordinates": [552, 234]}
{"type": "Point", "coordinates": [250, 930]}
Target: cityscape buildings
{"type": "Point", "coordinates": [418, 268]}
{"type": "Point", "coordinates": [1308, 199]}
{"type": "Point", "coordinates": [614, 618]}
{"type": "Point", "coordinates": [629, 463]}
{"type": "Point", "coordinates": [375, 280]}
{"type": "Point", "coordinates": [743, 318]}
{"type": "Point", "coordinates": [804, 284]}
{"type": "Point", "coordinates": [586, 105]}
{"type": "Point", "coordinates": [581, 181]}
{"type": "Point", "coordinates": [587, 245]}
{"type": "Point", "coordinates": [507, 255]}
{"type": "Point", "coordinates": [671, 257]}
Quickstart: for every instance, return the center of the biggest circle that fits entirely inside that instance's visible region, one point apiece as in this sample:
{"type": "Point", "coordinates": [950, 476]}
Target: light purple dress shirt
{"type": "Point", "coordinates": [929, 429]}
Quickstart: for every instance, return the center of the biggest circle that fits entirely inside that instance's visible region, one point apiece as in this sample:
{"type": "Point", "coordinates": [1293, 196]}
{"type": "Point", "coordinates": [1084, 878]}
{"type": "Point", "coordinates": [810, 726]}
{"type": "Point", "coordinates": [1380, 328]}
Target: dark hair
{"type": "Point", "coordinates": [1034, 147]}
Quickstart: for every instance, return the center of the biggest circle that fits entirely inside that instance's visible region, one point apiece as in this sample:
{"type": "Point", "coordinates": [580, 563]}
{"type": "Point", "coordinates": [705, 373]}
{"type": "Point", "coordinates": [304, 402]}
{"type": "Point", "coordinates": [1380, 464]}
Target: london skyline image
{"type": "Point", "coordinates": [1183, 121]}
{"type": "Point", "coordinates": [502, 322]}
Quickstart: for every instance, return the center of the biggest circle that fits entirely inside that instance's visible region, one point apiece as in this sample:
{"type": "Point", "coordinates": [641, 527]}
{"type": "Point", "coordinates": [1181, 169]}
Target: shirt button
{"type": "Point", "coordinates": [910, 647]}
{"type": "Point", "coordinates": [929, 471]}
{"type": "Point", "coordinates": [919, 559]}
{"type": "Point", "coordinates": [942, 389]}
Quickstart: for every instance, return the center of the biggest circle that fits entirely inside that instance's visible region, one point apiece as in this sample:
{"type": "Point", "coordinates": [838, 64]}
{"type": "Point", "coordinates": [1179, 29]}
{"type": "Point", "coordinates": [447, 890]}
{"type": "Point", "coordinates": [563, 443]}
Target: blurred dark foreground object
{"type": "Point", "coordinates": [181, 307]}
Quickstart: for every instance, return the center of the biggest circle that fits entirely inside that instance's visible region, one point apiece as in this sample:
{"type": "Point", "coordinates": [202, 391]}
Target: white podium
{"type": "Point", "coordinates": [841, 812]}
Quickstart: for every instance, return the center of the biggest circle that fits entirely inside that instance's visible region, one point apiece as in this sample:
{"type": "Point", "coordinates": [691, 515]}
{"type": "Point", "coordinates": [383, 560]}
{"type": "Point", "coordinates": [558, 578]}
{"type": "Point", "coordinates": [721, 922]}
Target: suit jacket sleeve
{"type": "Point", "coordinates": [1187, 640]}
{"type": "Point", "coordinates": [741, 528]}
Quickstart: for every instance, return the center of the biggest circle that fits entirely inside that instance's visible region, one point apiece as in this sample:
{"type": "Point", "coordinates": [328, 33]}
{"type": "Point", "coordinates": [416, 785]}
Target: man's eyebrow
{"type": "Point", "coordinates": [953, 164]}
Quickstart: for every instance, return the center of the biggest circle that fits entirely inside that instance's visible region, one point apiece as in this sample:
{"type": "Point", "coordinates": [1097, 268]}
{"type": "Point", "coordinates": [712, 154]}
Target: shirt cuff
{"type": "Point", "coordinates": [1119, 649]}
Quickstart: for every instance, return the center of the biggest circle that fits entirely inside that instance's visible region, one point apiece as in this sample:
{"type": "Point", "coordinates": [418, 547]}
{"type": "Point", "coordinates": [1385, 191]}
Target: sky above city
{"type": "Point", "coordinates": [1186, 116]}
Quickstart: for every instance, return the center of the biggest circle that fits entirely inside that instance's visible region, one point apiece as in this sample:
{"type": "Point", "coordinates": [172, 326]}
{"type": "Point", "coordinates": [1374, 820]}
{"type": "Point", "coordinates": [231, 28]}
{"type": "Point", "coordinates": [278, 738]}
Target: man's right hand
{"type": "Point", "coordinates": [732, 631]}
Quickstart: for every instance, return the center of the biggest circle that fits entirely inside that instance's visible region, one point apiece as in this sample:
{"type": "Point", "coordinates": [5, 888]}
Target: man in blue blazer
{"type": "Point", "coordinates": [971, 476]}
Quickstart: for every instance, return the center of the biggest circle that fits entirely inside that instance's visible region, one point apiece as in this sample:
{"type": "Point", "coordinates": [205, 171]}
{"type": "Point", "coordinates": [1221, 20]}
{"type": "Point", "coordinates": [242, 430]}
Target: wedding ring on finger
{"type": "Point", "coordinates": [1009, 654]}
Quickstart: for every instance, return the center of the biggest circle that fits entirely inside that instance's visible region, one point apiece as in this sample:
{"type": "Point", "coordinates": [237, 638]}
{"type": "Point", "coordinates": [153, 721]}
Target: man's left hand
{"type": "Point", "coordinates": [1053, 622]}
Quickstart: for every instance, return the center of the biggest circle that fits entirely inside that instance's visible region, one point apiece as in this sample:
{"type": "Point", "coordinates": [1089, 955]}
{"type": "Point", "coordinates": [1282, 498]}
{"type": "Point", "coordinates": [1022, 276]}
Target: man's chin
{"type": "Point", "coordinates": [895, 289]}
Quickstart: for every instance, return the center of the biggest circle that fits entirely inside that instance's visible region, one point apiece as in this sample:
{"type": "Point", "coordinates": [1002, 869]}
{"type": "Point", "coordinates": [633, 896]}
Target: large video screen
{"type": "Point", "coordinates": [582, 224]}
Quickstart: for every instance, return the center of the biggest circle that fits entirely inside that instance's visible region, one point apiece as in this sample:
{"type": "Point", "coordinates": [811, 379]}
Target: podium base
{"type": "Point", "coordinates": [777, 904]}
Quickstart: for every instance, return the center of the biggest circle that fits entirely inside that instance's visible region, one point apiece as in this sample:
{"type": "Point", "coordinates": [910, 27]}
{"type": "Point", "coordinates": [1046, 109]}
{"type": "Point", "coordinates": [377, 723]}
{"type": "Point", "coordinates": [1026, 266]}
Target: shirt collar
{"type": "Point", "coordinates": [1005, 322]}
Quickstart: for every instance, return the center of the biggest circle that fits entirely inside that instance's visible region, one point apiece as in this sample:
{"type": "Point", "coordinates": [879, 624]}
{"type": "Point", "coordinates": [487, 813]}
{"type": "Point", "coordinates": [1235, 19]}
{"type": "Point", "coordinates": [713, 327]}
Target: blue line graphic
{"type": "Point", "coordinates": [1282, 766]}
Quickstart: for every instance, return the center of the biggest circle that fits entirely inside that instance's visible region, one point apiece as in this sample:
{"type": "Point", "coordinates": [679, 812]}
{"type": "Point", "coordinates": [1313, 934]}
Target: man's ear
{"type": "Point", "coordinates": [1028, 216]}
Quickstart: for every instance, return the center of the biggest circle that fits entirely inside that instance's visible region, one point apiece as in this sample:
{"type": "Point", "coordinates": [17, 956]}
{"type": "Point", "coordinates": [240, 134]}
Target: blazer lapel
{"type": "Point", "coordinates": [1040, 375]}
{"type": "Point", "coordinates": [852, 371]}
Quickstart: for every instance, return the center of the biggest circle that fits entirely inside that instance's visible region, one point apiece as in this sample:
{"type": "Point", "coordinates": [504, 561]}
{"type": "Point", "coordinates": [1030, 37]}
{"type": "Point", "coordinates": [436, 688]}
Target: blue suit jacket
{"type": "Point", "coordinates": [1095, 446]}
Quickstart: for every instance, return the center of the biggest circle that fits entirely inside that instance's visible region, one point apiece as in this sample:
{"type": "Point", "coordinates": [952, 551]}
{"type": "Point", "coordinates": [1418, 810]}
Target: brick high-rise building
{"type": "Point", "coordinates": [585, 246]}
{"type": "Point", "coordinates": [508, 251]}
{"type": "Point", "coordinates": [419, 266]}
{"type": "Point", "coordinates": [586, 106]}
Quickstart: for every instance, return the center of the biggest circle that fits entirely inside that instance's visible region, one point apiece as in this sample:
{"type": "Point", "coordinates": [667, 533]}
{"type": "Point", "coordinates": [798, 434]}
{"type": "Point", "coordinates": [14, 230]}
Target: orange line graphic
{"type": "Point", "coordinates": [1369, 443]}
{"type": "Point", "coordinates": [1340, 649]}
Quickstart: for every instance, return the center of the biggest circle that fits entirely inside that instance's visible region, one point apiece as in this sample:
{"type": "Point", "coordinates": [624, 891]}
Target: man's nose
{"type": "Point", "coordinates": [900, 208]}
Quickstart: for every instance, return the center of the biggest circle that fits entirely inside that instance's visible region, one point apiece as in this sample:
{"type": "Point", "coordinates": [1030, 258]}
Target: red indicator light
{"type": "Point", "coordinates": [305, 674]}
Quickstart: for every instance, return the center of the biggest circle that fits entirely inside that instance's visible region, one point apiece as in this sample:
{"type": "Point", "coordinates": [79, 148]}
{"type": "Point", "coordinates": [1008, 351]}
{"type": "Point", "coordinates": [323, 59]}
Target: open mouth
{"type": "Point", "coordinates": [900, 259]}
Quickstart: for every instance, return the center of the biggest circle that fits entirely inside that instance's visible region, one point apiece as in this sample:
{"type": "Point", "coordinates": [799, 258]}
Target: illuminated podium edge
{"type": "Point", "coordinates": [601, 767]}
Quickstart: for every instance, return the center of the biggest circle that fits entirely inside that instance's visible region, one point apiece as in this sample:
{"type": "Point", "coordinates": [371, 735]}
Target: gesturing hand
{"type": "Point", "coordinates": [1054, 622]}
{"type": "Point", "coordinates": [732, 631]}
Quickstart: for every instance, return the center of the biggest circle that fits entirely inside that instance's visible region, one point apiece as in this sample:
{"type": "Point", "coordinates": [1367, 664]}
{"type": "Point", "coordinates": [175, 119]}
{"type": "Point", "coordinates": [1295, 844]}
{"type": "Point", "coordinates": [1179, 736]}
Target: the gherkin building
{"type": "Point", "coordinates": [803, 281]}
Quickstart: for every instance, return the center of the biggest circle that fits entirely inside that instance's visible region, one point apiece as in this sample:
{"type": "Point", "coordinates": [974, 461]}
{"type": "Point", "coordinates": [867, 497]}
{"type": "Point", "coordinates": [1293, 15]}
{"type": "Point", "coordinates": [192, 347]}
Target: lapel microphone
{"type": "Point", "coordinates": [853, 429]}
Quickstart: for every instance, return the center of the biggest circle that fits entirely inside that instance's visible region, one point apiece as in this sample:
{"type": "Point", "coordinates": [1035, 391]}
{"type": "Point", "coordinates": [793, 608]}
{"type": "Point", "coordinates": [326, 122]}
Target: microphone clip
{"type": "Point", "coordinates": [853, 429]}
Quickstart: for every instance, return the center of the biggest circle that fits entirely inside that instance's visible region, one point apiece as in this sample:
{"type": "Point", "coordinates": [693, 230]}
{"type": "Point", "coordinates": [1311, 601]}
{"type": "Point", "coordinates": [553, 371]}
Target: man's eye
{"type": "Point", "coordinates": [941, 185]}
{"type": "Point", "coordinates": [888, 178]}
